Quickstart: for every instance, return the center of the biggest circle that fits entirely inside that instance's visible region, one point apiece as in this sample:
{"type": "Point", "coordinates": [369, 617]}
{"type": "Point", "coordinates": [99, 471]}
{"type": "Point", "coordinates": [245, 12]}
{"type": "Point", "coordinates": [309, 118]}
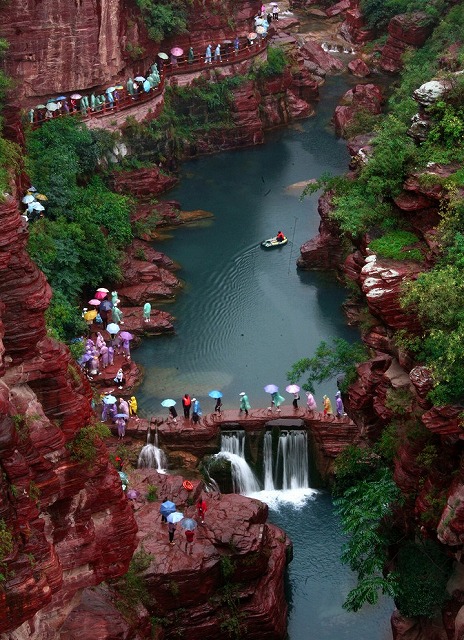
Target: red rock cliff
{"type": "Point", "coordinates": [70, 523]}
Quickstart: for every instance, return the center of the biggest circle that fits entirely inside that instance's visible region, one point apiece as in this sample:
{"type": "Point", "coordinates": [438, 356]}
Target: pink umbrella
{"type": "Point", "coordinates": [100, 295]}
{"type": "Point", "coordinates": [177, 51]}
{"type": "Point", "coordinates": [76, 96]}
{"type": "Point", "coordinates": [94, 302]}
{"type": "Point", "coordinates": [125, 335]}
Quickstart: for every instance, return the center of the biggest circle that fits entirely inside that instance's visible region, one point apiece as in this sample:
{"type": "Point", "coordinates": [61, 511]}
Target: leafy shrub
{"type": "Point", "coordinates": [353, 465]}
{"type": "Point", "coordinates": [424, 569]}
{"type": "Point", "coordinates": [84, 447]}
{"type": "Point", "coordinates": [365, 509]}
{"type": "Point", "coordinates": [152, 493]}
{"type": "Point", "coordinates": [132, 588]}
{"type": "Point", "coordinates": [379, 12]}
{"type": "Point", "coordinates": [394, 245]}
{"type": "Point", "coordinates": [275, 64]}
{"type": "Point", "coordinates": [164, 19]}
{"type": "Point", "coordinates": [6, 547]}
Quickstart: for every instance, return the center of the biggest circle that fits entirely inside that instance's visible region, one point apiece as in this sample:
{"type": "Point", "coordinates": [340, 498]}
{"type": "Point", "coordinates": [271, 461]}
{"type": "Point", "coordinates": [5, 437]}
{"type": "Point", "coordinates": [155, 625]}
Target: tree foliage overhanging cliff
{"type": "Point", "coordinates": [366, 203]}
{"type": "Point", "coordinates": [77, 245]}
{"type": "Point", "coordinates": [164, 18]}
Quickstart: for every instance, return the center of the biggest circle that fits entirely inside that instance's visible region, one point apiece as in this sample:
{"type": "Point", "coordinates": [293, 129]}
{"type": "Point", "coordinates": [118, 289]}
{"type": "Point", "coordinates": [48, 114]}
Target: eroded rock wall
{"type": "Point", "coordinates": [70, 522]}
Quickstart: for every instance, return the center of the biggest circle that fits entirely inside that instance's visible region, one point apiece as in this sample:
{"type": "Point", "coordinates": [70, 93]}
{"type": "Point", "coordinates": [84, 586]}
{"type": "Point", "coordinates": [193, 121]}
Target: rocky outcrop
{"type": "Point", "coordinates": [359, 68]}
{"type": "Point", "coordinates": [325, 250]}
{"type": "Point", "coordinates": [354, 28]}
{"type": "Point", "coordinates": [363, 97]}
{"type": "Point", "coordinates": [142, 183]}
{"type": "Point", "coordinates": [404, 31]}
{"type": "Point", "coordinates": [59, 47]}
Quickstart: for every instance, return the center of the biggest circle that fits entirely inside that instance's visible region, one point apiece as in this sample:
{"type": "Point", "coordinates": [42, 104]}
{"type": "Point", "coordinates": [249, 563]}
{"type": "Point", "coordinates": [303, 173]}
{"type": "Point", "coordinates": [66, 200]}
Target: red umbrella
{"type": "Point", "coordinates": [100, 295]}
{"type": "Point", "coordinates": [94, 302]}
{"type": "Point", "coordinates": [177, 51]}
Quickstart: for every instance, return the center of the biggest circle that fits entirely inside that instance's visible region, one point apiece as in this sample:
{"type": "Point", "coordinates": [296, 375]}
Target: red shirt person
{"type": "Point", "coordinates": [201, 510]}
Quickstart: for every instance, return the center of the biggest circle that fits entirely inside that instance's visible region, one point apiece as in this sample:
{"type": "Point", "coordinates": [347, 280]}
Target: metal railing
{"type": "Point", "coordinates": [123, 100]}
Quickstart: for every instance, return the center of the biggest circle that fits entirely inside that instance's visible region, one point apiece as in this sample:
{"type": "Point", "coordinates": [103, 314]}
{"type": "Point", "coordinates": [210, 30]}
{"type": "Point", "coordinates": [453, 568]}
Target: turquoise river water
{"type": "Point", "coordinates": [246, 314]}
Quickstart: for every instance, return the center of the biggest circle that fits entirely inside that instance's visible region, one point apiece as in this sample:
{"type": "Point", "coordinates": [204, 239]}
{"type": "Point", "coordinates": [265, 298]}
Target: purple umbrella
{"type": "Point", "coordinates": [125, 335]}
{"type": "Point", "coordinates": [85, 358]}
{"type": "Point", "coordinates": [271, 388]}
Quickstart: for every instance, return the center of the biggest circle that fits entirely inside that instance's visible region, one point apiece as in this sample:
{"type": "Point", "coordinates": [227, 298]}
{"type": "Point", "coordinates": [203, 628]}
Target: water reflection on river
{"type": "Point", "coordinates": [247, 314]}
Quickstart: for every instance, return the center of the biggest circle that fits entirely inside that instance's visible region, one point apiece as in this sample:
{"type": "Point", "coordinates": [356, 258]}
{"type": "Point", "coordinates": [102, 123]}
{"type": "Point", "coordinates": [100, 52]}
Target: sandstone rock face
{"type": "Point", "coordinates": [408, 30]}
{"type": "Point", "coordinates": [324, 251]}
{"type": "Point", "coordinates": [141, 183]}
{"type": "Point", "coordinates": [58, 46]}
{"type": "Point", "coordinates": [71, 524]}
{"type": "Point", "coordinates": [365, 97]}
{"type": "Point", "coordinates": [359, 68]}
{"type": "Point", "coordinates": [236, 528]}
{"type": "Point", "coordinates": [313, 52]}
{"type": "Point", "coordinates": [354, 28]}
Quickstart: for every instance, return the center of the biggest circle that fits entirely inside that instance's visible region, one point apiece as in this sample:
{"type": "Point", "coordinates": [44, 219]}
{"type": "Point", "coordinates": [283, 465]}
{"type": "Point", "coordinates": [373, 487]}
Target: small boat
{"type": "Point", "coordinates": [270, 243]}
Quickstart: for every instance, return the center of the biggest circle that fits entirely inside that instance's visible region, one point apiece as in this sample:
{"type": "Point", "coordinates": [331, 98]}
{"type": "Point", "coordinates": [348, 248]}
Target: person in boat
{"type": "Point", "coordinates": [280, 237]}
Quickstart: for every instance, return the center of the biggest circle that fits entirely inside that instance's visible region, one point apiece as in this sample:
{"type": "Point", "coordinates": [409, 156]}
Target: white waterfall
{"type": "Point", "coordinates": [151, 456]}
{"type": "Point", "coordinates": [233, 448]}
{"type": "Point", "coordinates": [292, 455]}
{"type": "Point", "coordinates": [267, 462]}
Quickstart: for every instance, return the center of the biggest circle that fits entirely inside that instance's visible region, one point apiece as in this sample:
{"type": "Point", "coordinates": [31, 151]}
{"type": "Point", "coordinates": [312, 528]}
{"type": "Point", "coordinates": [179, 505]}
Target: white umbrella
{"type": "Point", "coordinates": [28, 199]}
{"type": "Point", "coordinates": [177, 516]}
{"type": "Point", "coordinates": [139, 79]}
{"type": "Point", "coordinates": [38, 207]}
{"type": "Point", "coordinates": [52, 106]}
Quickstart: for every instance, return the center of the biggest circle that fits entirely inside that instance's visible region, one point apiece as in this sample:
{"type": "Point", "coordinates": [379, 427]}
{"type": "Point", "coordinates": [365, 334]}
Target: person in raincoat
{"type": "Point", "coordinates": [201, 509]}
{"type": "Point", "coordinates": [191, 56]}
{"type": "Point", "coordinates": [110, 355]}
{"type": "Point", "coordinates": [310, 402]}
{"type": "Point", "coordinates": [276, 400]}
{"type": "Point", "coordinates": [146, 312]}
{"type": "Point", "coordinates": [124, 407]}
{"type": "Point", "coordinates": [116, 315]}
{"type": "Point", "coordinates": [339, 404]}
{"type": "Point", "coordinates": [126, 349]}
{"type": "Point", "coordinates": [114, 298]}
{"type": "Point", "coordinates": [104, 356]}
{"type": "Point", "coordinates": [133, 406]}
{"type": "Point", "coordinates": [196, 411]}
{"type": "Point", "coordinates": [208, 55]}
{"type": "Point", "coordinates": [100, 341]}
{"type": "Point", "coordinates": [244, 403]}
{"type": "Point", "coordinates": [130, 87]}
{"type": "Point", "coordinates": [327, 406]}
{"type": "Point", "coordinates": [121, 425]}
{"type": "Point", "coordinates": [119, 379]}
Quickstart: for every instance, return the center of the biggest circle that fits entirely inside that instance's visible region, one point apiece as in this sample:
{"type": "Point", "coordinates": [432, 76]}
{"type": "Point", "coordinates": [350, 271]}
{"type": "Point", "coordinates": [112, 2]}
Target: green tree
{"type": "Point", "coordinates": [366, 513]}
{"type": "Point", "coordinates": [328, 361]}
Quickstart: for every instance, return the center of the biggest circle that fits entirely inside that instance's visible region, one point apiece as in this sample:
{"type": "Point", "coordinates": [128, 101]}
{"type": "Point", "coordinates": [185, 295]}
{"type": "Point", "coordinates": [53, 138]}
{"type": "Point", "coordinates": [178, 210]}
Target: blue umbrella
{"type": "Point", "coordinates": [61, 98]}
{"type": "Point", "coordinates": [112, 328]}
{"type": "Point", "coordinates": [167, 508]}
{"type": "Point", "coordinates": [175, 517]}
{"type": "Point", "coordinates": [122, 415]}
{"type": "Point", "coordinates": [189, 523]}
{"type": "Point", "coordinates": [271, 388]}
{"type": "Point", "coordinates": [215, 394]}
{"type": "Point", "coordinates": [106, 305]}
{"type": "Point", "coordinates": [109, 399]}
{"type": "Point", "coordinates": [169, 402]}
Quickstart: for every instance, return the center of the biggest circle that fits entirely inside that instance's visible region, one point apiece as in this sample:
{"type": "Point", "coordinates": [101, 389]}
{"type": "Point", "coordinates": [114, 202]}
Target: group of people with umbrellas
{"type": "Point", "coordinates": [35, 204]}
{"type": "Point", "coordinates": [172, 517]}
{"type": "Point", "coordinates": [276, 401]}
